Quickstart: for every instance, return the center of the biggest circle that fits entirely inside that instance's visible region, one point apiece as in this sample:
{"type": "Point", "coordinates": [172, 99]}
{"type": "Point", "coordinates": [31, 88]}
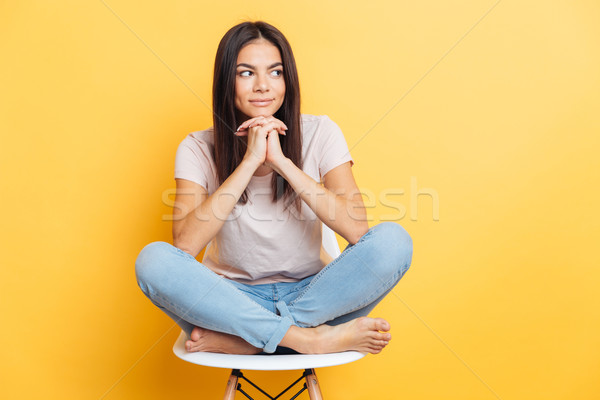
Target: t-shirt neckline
{"type": "Point", "coordinates": [263, 177]}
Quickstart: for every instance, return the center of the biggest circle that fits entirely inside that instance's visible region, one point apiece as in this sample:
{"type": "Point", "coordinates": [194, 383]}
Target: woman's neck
{"type": "Point", "coordinates": [263, 170]}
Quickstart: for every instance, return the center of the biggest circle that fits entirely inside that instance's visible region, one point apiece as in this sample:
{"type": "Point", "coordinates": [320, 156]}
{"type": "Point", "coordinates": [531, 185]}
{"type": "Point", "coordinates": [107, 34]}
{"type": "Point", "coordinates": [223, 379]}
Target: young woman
{"type": "Point", "coordinates": [256, 188]}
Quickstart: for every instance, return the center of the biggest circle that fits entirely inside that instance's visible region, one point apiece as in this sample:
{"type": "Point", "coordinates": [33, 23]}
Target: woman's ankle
{"type": "Point", "coordinates": [302, 340]}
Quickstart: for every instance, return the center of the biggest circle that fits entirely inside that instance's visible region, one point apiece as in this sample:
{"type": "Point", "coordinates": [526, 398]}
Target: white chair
{"type": "Point", "coordinates": [237, 362]}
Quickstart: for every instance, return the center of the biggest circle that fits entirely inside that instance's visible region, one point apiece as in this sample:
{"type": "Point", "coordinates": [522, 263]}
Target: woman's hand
{"type": "Point", "coordinates": [263, 140]}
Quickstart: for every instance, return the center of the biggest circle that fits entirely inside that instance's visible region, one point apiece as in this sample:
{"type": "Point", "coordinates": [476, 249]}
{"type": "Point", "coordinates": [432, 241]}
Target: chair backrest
{"type": "Point", "coordinates": [330, 243]}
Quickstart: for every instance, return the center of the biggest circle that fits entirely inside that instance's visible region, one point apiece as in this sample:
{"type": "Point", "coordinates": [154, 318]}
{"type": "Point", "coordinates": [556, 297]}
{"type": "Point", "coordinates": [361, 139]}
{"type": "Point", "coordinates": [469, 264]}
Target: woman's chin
{"type": "Point", "coordinates": [249, 114]}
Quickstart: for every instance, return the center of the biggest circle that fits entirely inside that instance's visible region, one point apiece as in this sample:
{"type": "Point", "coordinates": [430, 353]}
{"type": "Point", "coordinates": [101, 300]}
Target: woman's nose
{"type": "Point", "coordinates": [261, 84]}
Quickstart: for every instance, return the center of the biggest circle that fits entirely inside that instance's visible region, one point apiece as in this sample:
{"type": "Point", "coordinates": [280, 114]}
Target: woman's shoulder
{"type": "Point", "coordinates": [310, 119]}
{"type": "Point", "coordinates": [316, 124]}
{"type": "Point", "coordinates": [324, 145]}
{"type": "Point", "coordinates": [197, 145]}
{"type": "Point", "coordinates": [200, 138]}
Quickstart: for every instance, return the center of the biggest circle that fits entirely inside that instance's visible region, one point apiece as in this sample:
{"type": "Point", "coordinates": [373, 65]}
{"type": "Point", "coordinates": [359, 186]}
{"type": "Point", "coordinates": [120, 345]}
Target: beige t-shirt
{"type": "Point", "coordinates": [262, 241]}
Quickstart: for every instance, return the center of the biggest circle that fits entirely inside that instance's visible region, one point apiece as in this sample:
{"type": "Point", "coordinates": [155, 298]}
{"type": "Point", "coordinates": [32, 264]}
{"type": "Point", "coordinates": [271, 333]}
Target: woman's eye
{"type": "Point", "coordinates": [277, 72]}
{"type": "Point", "coordinates": [246, 73]}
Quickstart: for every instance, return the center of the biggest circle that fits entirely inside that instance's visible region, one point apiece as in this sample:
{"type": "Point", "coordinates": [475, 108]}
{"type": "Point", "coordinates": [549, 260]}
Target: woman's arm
{"type": "Point", "coordinates": [198, 217]}
{"type": "Point", "coordinates": [338, 203]}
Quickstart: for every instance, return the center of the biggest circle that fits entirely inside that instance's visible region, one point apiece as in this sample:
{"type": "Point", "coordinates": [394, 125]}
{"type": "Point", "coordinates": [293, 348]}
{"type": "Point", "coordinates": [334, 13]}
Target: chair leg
{"type": "Point", "coordinates": [232, 384]}
{"type": "Point", "coordinates": [312, 384]}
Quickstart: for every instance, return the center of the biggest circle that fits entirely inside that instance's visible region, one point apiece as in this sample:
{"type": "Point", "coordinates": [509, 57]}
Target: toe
{"type": "Point", "coordinates": [195, 336]}
{"type": "Point", "coordinates": [194, 346]}
{"type": "Point", "coordinates": [382, 325]}
{"type": "Point", "coordinates": [381, 336]}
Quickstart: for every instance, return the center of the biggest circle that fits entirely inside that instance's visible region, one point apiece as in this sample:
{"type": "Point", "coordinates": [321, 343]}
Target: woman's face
{"type": "Point", "coordinates": [259, 82]}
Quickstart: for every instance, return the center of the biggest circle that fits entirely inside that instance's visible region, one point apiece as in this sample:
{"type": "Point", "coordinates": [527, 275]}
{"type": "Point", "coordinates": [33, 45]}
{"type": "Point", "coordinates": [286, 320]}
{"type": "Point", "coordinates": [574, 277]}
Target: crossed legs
{"type": "Point", "coordinates": [351, 285]}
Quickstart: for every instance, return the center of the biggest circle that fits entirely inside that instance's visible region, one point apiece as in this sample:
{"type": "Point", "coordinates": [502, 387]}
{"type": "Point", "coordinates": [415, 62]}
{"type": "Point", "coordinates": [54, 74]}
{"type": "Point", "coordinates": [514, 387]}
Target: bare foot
{"type": "Point", "coordinates": [367, 335]}
{"type": "Point", "coordinates": [216, 342]}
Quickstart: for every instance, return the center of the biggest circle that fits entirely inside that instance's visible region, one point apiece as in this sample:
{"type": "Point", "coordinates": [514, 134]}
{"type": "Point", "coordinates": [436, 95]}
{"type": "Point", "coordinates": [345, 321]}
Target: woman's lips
{"type": "Point", "coordinates": [261, 102]}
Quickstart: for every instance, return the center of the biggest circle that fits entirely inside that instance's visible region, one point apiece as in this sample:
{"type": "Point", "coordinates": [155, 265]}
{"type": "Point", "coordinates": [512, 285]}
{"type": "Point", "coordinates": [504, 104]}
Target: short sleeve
{"type": "Point", "coordinates": [192, 162]}
{"type": "Point", "coordinates": [334, 149]}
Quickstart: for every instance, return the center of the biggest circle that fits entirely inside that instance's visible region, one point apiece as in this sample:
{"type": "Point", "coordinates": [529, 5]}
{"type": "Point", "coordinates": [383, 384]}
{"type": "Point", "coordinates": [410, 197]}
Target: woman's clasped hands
{"type": "Point", "coordinates": [263, 139]}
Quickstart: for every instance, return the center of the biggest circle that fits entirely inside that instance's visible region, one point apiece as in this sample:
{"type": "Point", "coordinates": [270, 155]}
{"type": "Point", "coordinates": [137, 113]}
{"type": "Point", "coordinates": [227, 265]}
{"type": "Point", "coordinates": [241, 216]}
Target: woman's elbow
{"type": "Point", "coordinates": [359, 231]}
{"type": "Point", "coordinates": [185, 245]}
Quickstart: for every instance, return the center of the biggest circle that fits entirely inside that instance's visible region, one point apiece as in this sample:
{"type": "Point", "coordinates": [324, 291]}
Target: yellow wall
{"type": "Point", "coordinates": [495, 113]}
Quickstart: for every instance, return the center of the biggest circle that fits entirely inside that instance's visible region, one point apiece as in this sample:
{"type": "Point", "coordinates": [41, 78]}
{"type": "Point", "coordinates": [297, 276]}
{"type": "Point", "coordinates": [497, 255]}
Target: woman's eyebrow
{"type": "Point", "coordinates": [277, 64]}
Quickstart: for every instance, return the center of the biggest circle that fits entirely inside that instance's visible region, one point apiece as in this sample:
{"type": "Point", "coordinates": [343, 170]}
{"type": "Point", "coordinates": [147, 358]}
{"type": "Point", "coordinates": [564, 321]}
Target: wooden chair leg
{"type": "Point", "coordinates": [312, 384]}
{"type": "Point", "coordinates": [232, 383]}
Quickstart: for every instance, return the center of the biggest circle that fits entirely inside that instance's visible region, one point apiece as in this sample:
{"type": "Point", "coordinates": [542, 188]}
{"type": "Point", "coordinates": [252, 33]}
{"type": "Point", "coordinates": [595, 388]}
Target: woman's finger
{"type": "Point", "coordinates": [277, 125]}
{"type": "Point", "coordinates": [273, 126]}
{"type": "Point", "coordinates": [246, 124]}
{"type": "Point", "coordinates": [260, 121]}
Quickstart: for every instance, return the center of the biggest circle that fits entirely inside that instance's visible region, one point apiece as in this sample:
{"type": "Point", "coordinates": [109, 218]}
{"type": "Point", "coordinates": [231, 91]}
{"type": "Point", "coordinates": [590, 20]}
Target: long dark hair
{"type": "Point", "coordinates": [229, 149]}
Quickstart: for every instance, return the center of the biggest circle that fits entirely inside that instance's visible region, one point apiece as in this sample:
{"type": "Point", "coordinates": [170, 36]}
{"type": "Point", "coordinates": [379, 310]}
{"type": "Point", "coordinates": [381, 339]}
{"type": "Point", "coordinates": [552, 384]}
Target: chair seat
{"type": "Point", "coordinates": [263, 362]}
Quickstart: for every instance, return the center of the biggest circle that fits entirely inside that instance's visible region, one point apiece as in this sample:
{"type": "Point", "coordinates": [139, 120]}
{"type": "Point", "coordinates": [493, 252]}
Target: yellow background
{"type": "Point", "coordinates": [493, 107]}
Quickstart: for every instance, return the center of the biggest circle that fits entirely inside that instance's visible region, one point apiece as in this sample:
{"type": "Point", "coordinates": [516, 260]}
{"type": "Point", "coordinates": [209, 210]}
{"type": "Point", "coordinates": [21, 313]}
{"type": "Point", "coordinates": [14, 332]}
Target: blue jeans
{"type": "Point", "coordinates": [348, 287]}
